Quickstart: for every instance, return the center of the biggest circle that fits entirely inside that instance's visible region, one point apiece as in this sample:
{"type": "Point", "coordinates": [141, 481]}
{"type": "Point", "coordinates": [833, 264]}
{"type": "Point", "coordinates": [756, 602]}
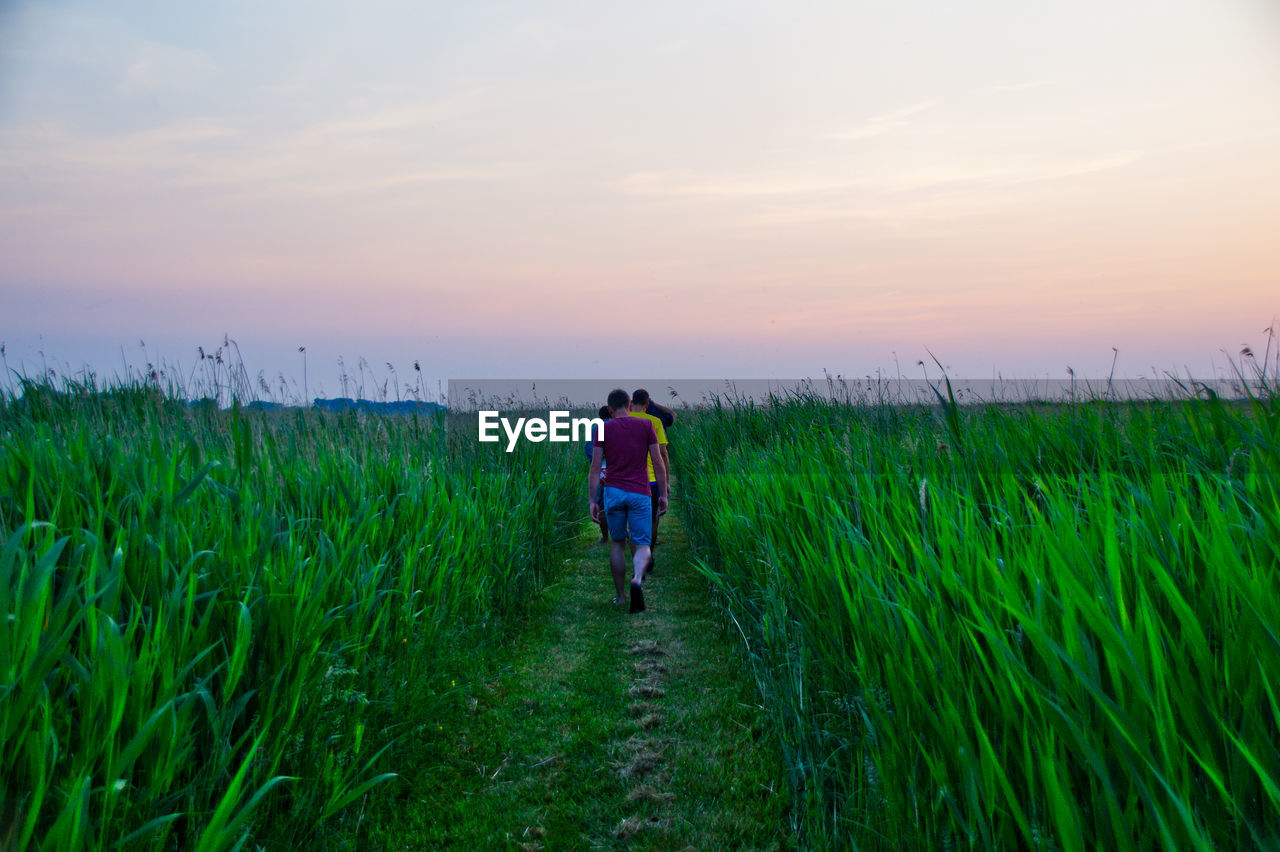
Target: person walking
{"type": "Point", "coordinates": [640, 403]}
{"type": "Point", "coordinates": [660, 411]}
{"type": "Point", "coordinates": [628, 446]}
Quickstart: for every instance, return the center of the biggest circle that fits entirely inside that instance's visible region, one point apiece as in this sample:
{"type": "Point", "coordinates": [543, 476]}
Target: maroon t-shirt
{"type": "Point", "coordinates": [626, 448]}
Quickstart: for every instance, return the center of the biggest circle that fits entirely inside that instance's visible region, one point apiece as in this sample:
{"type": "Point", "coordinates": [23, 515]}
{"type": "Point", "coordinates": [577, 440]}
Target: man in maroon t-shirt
{"type": "Point", "coordinates": [626, 502]}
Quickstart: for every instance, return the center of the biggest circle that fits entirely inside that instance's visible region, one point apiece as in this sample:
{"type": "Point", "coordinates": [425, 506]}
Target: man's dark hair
{"type": "Point", "coordinates": [640, 397]}
{"type": "Point", "coordinates": [604, 413]}
{"type": "Point", "coordinates": [618, 399]}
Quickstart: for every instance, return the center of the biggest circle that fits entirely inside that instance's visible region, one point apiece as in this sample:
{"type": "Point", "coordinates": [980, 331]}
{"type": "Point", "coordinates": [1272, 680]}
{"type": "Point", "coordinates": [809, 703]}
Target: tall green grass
{"type": "Point", "coordinates": [210, 616]}
{"type": "Point", "coordinates": [1044, 627]}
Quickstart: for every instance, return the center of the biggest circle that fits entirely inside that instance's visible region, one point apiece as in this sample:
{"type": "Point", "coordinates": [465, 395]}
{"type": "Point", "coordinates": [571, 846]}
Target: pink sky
{"type": "Point", "coordinates": [754, 191]}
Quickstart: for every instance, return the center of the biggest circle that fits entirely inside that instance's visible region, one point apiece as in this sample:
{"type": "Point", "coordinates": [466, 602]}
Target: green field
{"type": "Point", "coordinates": [217, 622]}
{"type": "Point", "coordinates": [995, 627]}
{"type": "Point", "coordinates": [1048, 627]}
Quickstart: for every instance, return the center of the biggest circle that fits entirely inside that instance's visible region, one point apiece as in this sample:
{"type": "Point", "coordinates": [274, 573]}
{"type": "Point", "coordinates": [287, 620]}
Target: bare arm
{"type": "Point", "coordinates": [593, 483]}
{"type": "Point", "coordinates": [660, 473]}
{"type": "Point", "coordinates": [663, 409]}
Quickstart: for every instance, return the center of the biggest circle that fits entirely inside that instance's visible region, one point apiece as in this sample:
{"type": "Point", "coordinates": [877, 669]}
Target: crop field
{"type": "Point", "coordinates": [1006, 627]}
{"type": "Point", "coordinates": [1039, 626]}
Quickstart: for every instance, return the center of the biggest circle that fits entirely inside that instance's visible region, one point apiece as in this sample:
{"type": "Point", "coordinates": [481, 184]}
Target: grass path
{"type": "Point", "coordinates": [604, 730]}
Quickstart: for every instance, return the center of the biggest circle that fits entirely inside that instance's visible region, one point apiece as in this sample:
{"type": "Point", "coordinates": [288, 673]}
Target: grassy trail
{"type": "Point", "coordinates": [604, 730]}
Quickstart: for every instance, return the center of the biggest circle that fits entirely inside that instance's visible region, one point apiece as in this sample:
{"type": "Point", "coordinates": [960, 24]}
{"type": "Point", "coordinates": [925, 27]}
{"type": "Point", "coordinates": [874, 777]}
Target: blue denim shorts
{"type": "Point", "coordinates": [628, 512]}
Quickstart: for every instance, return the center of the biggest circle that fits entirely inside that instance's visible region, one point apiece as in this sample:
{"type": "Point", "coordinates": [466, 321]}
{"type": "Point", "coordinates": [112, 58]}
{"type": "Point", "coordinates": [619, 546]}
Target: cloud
{"type": "Point", "coordinates": [879, 125]}
{"type": "Point", "coordinates": [693, 184]}
{"type": "Point", "coordinates": [411, 116]}
{"type": "Point", "coordinates": [162, 69]}
{"type": "Point", "coordinates": [946, 175]}
{"type": "Point", "coordinates": [61, 153]}
{"type": "Point", "coordinates": [72, 57]}
{"type": "Point", "coordinates": [359, 153]}
{"type": "Point", "coordinates": [1019, 87]}
{"type": "Point", "coordinates": [882, 180]}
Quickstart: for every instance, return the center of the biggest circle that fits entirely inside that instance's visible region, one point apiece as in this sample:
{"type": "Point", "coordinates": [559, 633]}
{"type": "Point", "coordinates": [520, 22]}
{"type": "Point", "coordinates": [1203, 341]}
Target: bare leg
{"type": "Point", "coordinates": [618, 565]}
{"type": "Point", "coordinates": [632, 546]}
{"type": "Point", "coordinates": [640, 563]}
{"type": "Point", "coordinates": [649, 567]}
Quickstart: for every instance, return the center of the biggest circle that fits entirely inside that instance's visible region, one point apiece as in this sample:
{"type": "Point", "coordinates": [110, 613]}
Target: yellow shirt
{"type": "Point", "coordinates": [662, 438]}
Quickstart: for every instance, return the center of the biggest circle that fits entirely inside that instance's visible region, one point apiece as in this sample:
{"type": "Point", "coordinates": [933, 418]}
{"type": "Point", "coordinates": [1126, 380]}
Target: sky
{"type": "Point", "coordinates": [684, 189]}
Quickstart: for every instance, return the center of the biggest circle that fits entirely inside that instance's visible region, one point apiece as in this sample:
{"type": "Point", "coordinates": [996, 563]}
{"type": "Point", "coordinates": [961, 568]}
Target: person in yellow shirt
{"type": "Point", "coordinates": [640, 402]}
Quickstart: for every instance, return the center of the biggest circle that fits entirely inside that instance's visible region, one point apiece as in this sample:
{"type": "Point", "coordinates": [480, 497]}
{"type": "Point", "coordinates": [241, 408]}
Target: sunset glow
{"type": "Point", "coordinates": [754, 189]}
